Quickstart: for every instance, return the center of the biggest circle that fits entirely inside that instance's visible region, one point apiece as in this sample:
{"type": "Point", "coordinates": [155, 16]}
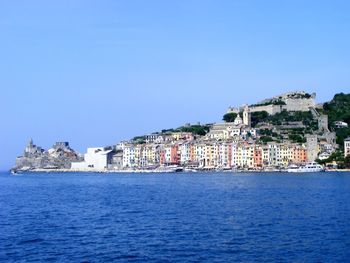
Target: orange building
{"type": "Point", "coordinates": [299, 154]}
{"type": "Point", "coordinates": [162, 157]}
{"type": "Point", "coordinates": [175, 155]}
{"type": "Point", "coordinates": [258, 157]}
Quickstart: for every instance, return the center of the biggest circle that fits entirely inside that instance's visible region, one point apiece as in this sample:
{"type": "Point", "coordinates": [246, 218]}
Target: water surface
{"type": "Point", "coordinates": [207, 217]}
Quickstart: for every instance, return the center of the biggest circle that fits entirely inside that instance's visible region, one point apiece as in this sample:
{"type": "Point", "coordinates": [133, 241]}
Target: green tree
{"type": "Point", "coordinates": [258, 116]}
{"type": "Point", "coordinates": [347, 161]}
{"type": "Point", "coordinates": [266, 139]}
{"type": "Point", "coordinates": [230, 117]}
{"type": "Point", "coordinates": [338, 109]}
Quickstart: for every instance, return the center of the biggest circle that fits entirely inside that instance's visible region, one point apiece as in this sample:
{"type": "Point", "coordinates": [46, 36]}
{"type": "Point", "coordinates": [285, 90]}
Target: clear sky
{"type": "Point", "coordinates": [97, 72]}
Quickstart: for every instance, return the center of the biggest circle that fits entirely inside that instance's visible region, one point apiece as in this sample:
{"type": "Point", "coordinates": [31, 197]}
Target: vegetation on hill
{"type": "Point", "coordinates": [271, 102]}
{"type": "Point", "coordinates": [338, 157]}
{"type": "Point", "coordinates": [338, 109]}
{"type": "Point", "coordinates": [196, 129]}
{"type": "Point", "coordinates": [229, 117]}
{"type": "Point", "coordinates": [139, 139]}
{"type": "Point", "coordinates": [258, 116]}
{"type": "Point", "coordinates": [342, 134]}
{"type": "Point", "coordinates": [284, 117]}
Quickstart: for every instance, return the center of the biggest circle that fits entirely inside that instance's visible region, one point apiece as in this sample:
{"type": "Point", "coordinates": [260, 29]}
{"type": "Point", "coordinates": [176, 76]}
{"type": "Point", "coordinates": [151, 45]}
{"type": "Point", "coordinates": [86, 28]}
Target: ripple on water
{"type": "Point", "coordinates": [175, 218]}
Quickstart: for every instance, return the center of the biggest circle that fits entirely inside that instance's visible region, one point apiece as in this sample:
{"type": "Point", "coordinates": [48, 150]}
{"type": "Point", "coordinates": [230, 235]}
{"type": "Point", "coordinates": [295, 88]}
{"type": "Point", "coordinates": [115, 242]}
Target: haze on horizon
{"type": "Point", "coordinates": [97, 72]}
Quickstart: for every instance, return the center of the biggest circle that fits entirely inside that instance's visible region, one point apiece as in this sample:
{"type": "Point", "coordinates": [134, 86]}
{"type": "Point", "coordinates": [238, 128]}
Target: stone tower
{"type": "Point", "coordinates": [30, 143]}
{"type": "Point", "coordinates": [29, 147]}
{"type": "Point", "coordinates": [323, 123]}
{"type": "Point", "coordinates": [311, 147]}
{"type": "Point", "coordinates": [246, 116]}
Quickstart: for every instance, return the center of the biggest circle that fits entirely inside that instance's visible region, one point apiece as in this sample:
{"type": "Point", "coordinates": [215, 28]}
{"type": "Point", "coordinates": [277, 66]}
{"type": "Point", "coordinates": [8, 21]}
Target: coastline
{"type": "Point", "coordinates": [160, 171]}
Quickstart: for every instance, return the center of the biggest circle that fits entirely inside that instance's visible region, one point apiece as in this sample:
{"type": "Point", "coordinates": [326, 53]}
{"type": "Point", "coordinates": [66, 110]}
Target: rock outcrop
{"type": "Point", "coordinates": [60, 156]}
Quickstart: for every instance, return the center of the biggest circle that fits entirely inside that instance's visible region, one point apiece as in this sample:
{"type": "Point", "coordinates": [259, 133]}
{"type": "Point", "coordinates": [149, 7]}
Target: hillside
{"type": "Point", "coordinates": [338, 109]}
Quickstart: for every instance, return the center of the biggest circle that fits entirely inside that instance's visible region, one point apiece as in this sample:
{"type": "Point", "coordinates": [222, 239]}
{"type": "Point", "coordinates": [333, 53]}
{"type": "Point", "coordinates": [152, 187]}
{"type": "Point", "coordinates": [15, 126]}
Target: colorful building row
{"type": "Point", "coordinates": [212, 154]}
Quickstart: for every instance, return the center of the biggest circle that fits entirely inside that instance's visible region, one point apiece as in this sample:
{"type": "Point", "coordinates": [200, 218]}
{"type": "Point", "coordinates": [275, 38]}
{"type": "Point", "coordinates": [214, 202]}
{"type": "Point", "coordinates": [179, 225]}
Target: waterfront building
{"type": "Point", "coordinates": [211, 153]}
{"type": "Point", "coordinates": [225, 155]}
{"type": "Point", "coordinates": [185, 155]}
{"type": "Point", "coordinates": [95, 159]}
{"type": "Point", "coordinates": [128, 155]}
{"type": "Point", "coordinates": [165, 154]}
{"type": "Point", "coordinates": [234, 154]}
{"type": "Point", "coordinates": [274, 154]}
{"type": "Point", "coordinates": [242, 155]}
{"type": "Point", "coordinates": [200, 150]}
{"type": "Point", "coordinates": [258, 156]}
{"type": "Point", "coordinates": [299, 154]}
{"type": "Point", "coordinates": [138, 149]}
{"type": "Point", "coordinates": [347, 147]}
{"type": "Point", "coordinates": [286, 155]}
{"type": "Point", "coordinates": [117, 160]}
{"type": "Point", "coordinates": [175, 155]}
{"type": "Point", "coordinates": [265, 152]}
{"type": "Point", "coordinates": [148, 155]}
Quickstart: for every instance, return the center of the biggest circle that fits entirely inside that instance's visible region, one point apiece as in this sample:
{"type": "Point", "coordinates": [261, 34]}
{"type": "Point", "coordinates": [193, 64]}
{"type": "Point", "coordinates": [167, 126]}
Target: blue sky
{"type": "Point", "coordinates": [97, 72]}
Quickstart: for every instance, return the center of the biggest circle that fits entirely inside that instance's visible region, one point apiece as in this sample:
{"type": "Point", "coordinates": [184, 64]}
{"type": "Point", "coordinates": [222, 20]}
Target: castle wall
{"type": "Point", "coordinates": [299, 104]}
{"type": "Point", "coordinates": [270, 109]}
{"type": "Point", "coordinates": [291, 104]}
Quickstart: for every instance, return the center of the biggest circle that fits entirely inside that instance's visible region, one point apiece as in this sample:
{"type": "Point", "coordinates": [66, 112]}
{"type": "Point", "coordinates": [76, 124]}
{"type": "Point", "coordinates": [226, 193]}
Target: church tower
{"type": "Point", "coordinates": [246, 116]}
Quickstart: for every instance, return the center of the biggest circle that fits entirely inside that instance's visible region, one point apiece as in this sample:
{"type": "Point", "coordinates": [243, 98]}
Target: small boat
{"type": "Point", "coordinates": [169, 169]}
{"type": "Point", "coordinates": [307, 168]}
{"type": "Point", "coordinates": [190, 170]}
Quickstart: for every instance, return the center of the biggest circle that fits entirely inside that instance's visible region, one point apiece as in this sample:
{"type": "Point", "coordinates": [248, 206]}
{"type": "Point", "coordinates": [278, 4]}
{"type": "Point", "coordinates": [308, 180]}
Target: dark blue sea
{"type": "Point", "coordinates": [183, 217]}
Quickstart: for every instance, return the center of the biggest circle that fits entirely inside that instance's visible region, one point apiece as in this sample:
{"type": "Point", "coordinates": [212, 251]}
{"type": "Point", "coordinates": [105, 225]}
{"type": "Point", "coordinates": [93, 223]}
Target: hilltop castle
{"type": "Point", "coordinates": [291, 101]}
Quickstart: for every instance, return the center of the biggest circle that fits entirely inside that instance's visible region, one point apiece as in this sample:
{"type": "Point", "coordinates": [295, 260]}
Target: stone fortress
{"type": "Point", "coordinates": [59, 156]}
{"type": "Point", "coordinates": [291, 101]}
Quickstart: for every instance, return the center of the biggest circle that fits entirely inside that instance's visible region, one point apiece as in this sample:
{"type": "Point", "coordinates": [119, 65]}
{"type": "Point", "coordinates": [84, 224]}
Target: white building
{"type": "Point", "coordinates": [185, 153]}
{"type": "Point", "coordinates": [224, 155]}
{"type": "Point", "coordinates": [324, 155]}
{"type": "Point", "coordinates": [340, 124]}
{"type": "Point", "coordinates": [224, 131]}
{"type": "Point", "coordinates": [167, 153]}
{"type": "Point", "coordinates": [347, 147]}
{"type": "Point", "coordinates": [96, 159]}
{"type": "Point", "coordinates": [128, 156]}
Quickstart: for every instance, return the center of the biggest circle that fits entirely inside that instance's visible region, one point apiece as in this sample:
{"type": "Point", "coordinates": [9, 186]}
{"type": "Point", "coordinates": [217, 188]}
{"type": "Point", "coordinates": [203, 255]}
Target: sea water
{"type": "Point", "coordinates": [180, 217]}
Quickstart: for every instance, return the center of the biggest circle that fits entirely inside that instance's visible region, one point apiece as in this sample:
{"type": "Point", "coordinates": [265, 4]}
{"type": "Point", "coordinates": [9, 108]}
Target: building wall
{"type": "Point", "coordinates": [96, 159]}
{"type": "Point", "coordinates": [347, 147]}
